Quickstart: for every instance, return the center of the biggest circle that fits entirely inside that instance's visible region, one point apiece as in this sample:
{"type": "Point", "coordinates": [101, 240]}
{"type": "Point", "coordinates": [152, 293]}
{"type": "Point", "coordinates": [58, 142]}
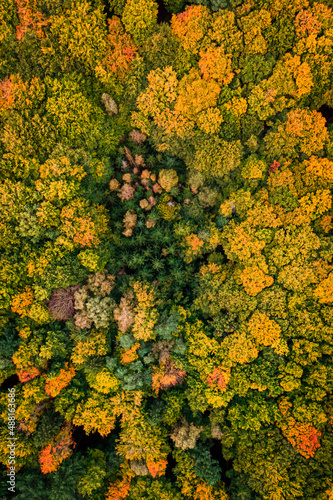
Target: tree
{"type": "Point", "coordinates": [52, 456]}
{"type": "Point", "coordinates": [166, 248]}
{"type": "Point", "coordinates": [140, 18]}
{"type": "Point", "coordinates": [119, 53]}
{"type": "Point", "coordinates": [54, 385]}
{"type": "Point", "coordinates": [95, 468]}
{"type": "Point", "coordinates": [74, 35]}
{"type": "Point", "coordinates": [146, 315]}
{"type": "Point", "coordinates": [190, 26]}
{"type": "Point", "coordinates": [30, 19]}
{"type": "Point", "coordinates": [95, 414]}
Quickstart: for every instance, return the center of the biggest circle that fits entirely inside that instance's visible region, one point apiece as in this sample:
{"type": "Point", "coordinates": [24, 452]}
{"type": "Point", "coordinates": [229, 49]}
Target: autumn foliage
{"type": "Point", "coordinates": [30, 19]}
{"type": "Point", "coordinates": [52, 456]}
{"type": "Point", "coordinates": [166, 271]}
{"type": "Point", "coordinates": [120, 50]}
{"type": "Point", "coordinates": [55, 385]}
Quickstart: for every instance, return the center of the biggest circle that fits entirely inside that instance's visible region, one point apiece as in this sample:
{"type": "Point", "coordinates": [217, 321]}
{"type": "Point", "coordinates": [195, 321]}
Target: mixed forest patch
{"type": "Point", "coordinates": [166, 244]}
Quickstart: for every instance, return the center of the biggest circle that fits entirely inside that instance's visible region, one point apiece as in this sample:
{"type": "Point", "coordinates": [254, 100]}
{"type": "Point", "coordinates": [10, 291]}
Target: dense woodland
{"type": "Point", "coordinates": [166, 244]}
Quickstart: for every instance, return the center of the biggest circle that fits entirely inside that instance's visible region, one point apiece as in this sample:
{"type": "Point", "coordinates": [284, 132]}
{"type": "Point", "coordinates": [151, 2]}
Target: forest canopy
{"type": "Point", "coordinates": [166, 244]}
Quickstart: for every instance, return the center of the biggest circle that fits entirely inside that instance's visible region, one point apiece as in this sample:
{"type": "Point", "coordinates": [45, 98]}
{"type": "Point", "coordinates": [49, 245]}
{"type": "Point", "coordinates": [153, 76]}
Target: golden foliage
{"type": "Point", "coordinates": [254, 168]}
{"type": "Point", "coordinates": [316, 203]}
{"type": "Point", "coordinates": [162, 87]}
{"type": "Point", "coordinates": [28, 425]}
{"type": "Point", "coordinates": [54, 454]}
{"type": "Point", "coordinates": [131, 354]}
{"type": "Point", "coordinates": [61, 167]}
{"type": "Point", "coordinates": [129, 220]}
{"type": "Point", "coordinates": [254, 280]}
{"type": "Point", "coordinates": [302, 436]}
{"type": "Point", "coordinates": [320, 167]}
{"type": "Point", "coordinates": [240, 242]}
{"type": "Point", "coordinates": [265, 330]}
{"type": "Point", "coordinates": [241, 348]}
{"type": "Point", "coordinates": [166, 375]}
{"type": "Point", "coordinates": [124, 314]}
{"type": "Point", "coordinates": [167, 208]}
{"type": "Point", "coordinates": [21, 301]}
{"type": "Point", "coordinates": [168, 179]}
{"type": "Point", "coordinates": [145, 315]}
{"type": "Point", "coordinates": [252, 26]}
{"type": "Point", "coordinates": [119, 489]}
{"type": "Point", "coordinates": [204, 491]}
{"type": "Point", "coordinates": [195, 94]}
{"type": "Point", "coordinates": [237, 105]}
